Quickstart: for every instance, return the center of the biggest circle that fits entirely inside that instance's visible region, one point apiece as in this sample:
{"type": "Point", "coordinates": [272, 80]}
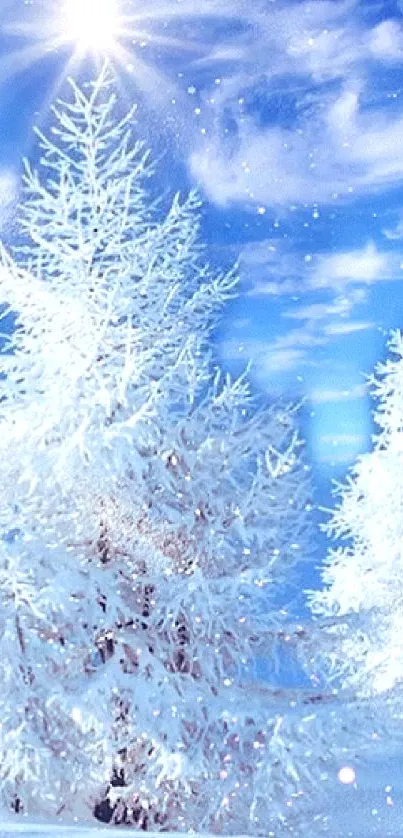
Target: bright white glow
{"type": "Point", "coordinates": [346, 775]}
{"type": "Point", "coordinates": [76, 715]}
{"type": "Point", "coordinates": [91, 24]}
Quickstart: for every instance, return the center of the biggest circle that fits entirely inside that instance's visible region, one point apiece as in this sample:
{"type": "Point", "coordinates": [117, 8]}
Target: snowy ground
{"type": "Point", "coordinates": [371, 808]}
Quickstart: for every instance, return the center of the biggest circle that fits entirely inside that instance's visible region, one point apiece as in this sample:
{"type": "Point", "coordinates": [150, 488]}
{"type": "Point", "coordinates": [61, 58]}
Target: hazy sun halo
{"type": "Point", "coordinates": [124, 32]}
{"type": "Point", "coordinates": [92, 25]}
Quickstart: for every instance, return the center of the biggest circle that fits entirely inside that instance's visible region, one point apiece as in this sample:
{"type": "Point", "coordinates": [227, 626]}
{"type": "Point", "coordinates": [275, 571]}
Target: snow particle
{"type": "Point", "coordinates": [346, 775]}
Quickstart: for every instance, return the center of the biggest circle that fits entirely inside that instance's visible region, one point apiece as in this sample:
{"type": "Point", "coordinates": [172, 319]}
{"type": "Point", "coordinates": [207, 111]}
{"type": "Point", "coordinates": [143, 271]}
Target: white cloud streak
{"type": "Point", "coordinates": [8, 195]}
{"type": "Point", "coordinates": [325, 396]}
{"type": "Point", "coordinates": [320, 141]}
{"type": "Point", "coordinates": [340, 448]}
{"type": "Point", "coordinates": [341, 280]}
{"type": "Point", "coordinates": [364, 265]}
{"type": "Point", "coordinates": [395, 233]}
{"type": "Point", "coordinates": [349, 328]}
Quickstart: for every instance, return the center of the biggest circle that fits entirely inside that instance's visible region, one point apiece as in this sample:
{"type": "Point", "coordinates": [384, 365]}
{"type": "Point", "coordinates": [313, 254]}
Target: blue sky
{"type": "Point", "coordinates": [289, 118]}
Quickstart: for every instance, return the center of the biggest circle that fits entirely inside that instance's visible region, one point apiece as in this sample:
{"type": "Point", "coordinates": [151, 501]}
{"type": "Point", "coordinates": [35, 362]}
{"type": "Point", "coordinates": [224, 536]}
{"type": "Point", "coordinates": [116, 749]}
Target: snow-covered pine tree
{"type": "Point", "coordinates": [363, 579]}
{"type": "Point", "coordinates": [151, 515]}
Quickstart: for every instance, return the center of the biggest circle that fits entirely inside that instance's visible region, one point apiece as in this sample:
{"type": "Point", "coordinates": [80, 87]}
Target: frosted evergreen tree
{"type": "Point", "coordinates": [363, 578]}
{"type": "Point", "coordinates": [151, 517]}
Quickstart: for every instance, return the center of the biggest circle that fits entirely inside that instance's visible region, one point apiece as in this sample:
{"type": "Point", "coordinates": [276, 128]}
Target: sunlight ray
{"type": "Point", "coordinates": [15, 62]}
{"type": "Point", "coordinates": [117, 30]}
{"type": "Point", "coordinates": [168, 42]}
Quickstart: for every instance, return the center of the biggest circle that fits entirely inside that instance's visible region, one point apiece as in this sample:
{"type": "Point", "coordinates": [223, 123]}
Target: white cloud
{"type": "Point", "coordinates": [341, 306]}
{"type": "Point", "coordinates": [299, 37]}
{"type": "Point", "coordinates": [256, 254]}
{"type": "Point", "coordinates": [278, 361]}
{"type": "Point", "coordinates": [264, 168]}
{"type": "Point", "coordinates": [324, 144]}
{"type": "Point", "coordinates": [348, 328]}
{"type": "Point", "coordinates": [395, 233]}
{"type": "Point", "coordinates": [341, 439]}
{"type": "Point", "coordinates": [363, 265]}
{"type": "Point", "coordinates": [267, 268]}
{"type": "Point", "coordinates": [335, 153]}
{"type": "Point", "coordinates": [386, 41]}
{"type": "Point", "coordinates": [242, 322]}
{"type": "Point", "coordinates": [302, 336]}
{"type": "Point", "coordinates": [283, 353]}
{"type": "Point", "coordinates": [340, 448]}
{"type": "Point", "coordinates": [325, 54]}
{"type": "Point", "coordinates": [272, 357]}
{"type": "Point", "coordinates": [273, 270]}
{"type": "Point", "coordinates": [294, 351]}
{"type": "Point", "coordinates": [343, 111]}
{"type": "Point", "coordinates": [274, 288]}
{"type": "Point", "coordinates": [323, 396]}
{"type": "Point", "coordinates": [333, 285]}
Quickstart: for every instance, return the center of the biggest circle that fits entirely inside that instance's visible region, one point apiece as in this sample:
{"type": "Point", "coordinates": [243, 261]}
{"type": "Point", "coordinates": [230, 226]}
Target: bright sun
{"type": "Point", "coordinates": [92, 25]}
{"type": "Point", "coordinates": [124, 32]}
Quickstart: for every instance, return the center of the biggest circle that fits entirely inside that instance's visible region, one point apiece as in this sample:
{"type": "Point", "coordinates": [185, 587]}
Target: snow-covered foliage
{"type": "Point", "coordinates": [363, 579]}
{"type": "Point", "coordinates": [150, 515]}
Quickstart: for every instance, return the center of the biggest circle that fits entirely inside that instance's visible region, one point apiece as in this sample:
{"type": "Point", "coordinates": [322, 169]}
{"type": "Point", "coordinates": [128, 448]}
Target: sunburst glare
{"type": "Point", "coordinates": [114, 27]}
{"type": "Point", "coordinates": [133, 35]}
{"type": "Point", "coordinates": [92, 25]}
